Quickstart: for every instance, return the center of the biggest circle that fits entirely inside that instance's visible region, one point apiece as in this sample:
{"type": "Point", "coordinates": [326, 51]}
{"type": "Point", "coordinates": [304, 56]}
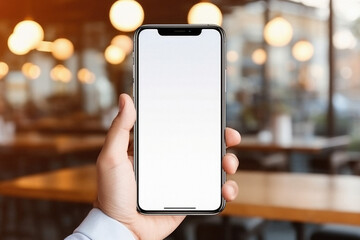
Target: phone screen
{"type": "Point", "coordinates": [179, 121]}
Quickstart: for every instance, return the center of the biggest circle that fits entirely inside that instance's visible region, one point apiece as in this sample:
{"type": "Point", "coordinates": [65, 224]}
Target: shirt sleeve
{"type": "Point", "coordinates": [98, 226]}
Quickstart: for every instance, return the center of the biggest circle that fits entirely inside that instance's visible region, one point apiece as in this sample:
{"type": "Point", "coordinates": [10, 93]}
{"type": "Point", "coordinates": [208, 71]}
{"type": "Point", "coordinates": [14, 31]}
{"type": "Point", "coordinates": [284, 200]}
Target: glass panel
{"type": "Point", "coordinates": [266, 80]}
{"type": "Point", "coordinates": [347, 77]}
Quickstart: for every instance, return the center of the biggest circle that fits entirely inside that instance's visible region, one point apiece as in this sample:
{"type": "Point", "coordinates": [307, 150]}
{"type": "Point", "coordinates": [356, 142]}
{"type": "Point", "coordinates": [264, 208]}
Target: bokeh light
{"type": "Point", "coordinates": [61, 73]}
{"type": "Point", "coordinates": [31, 70]}
{"type": "Point", "coordinates": [344, 39]}
{"type": "Point", "coordinates": [126, 15]}
{"type": "Point", "coordinates": [124, 42]}
{"type": "Point", "coordinates": [30, 32]}
{"type": "Point", "coordinates": [114, 54]}
{"type": "Point", "coordinates": [205, 13]}
{"type": "Point", "coordinates": [278, 32]}
{"type": "Point", "coordinates": [44, 46]}
{"type": "Point", "coordinates": [303, 51]}
{"type": "Point", "coordinates": [259, 56]}
{"type": "Point", "coordinates": [62, 49]}
{"type": "Point", "coordinates": [17, 45]}
{"type": "Point", "coordinates": [232, 56]}
{"type": "Point", "coordinates": [86, 76]}
{"type": "Point", "coordinates": [4, 69]}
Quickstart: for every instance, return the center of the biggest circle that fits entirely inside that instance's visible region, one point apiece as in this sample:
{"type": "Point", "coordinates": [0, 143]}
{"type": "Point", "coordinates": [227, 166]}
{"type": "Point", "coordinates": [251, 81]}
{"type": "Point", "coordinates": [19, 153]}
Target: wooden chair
{"type": "Point", "coordinates": [336, 232]}
{"type": "Point", "coordinates": [220, 227]}
{"type": "Point", "coordinates": [340, 160]}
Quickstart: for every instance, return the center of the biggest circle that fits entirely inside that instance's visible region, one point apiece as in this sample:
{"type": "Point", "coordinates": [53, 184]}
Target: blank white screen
{"type": "Point", "coordinates": [179, 121]}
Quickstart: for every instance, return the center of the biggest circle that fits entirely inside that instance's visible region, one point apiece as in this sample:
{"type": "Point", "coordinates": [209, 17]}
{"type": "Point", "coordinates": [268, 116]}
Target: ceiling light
{"type": "Point", "coordinates": [62, 48]}
{"type": "Point", "coordinates": [86, 76]}
{"type": "Point", "coordinates": [303, 51]}
{"type": "Point", "coordinates": [31, 71]}
{"type": "Point", "coordinates": [29, 31]}
{"type": "Point", "coordinates": [259, 56]}
{"type": "Point", "coordinates": [4, 69]}
{"type": "Point", "coordinates": [114, 54]}
{"type": "Point", "coordinates": [124, 42]}
{"type": "Point", "coordinates": [205, 13]}
{"type": "Point", "coordinates": [278, 32]}
{"type": "Point", "coordinates": [126, 15]}
{"type": "Point", "coordinates": [61, 73]}
{"type": "Point", "coordinates": [17, 45]}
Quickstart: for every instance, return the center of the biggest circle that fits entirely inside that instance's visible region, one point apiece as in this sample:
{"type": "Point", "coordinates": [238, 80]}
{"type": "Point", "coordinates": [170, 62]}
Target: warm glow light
{"type": "Point", "coordinates": [344, 39]}
{"type": "Point", "coordinates": [303, 51]}
{"type": "Point", "coordinates": [126, 15]}
{"type": "Point", "coordinates": [17, 45]}
{"type": "Point", "coordinates": [278, 32]}
{"type": "Point", "coordinates": [114, 54]}
{"type": "Point", "coordinates": [124, 42]}
{"type": "Point", "coordinates": [44, 46]}
{"type": "Point", "coordinates": [232, 56]}
{"type": "Point", "coordinates": [4, 69]}
{"type": "Point", "coordinates": [34, 72]}
{"type": "Point", "coordinates": [205, 13]}
{"type": "Point", "coordinates": [26, 68]}
{"type": "Point", "coordinates": [86, 76]}
{"type": "Point", "coordinates": [259, 56]}
{"type": "Point", "coordinates": [26, 36]}
{"type": "Point", "coordinates": [31, 71]}
{"type": "Point", "coordinates": [30, 32]}
{"type": "Point", "coordinates": [62, 49]}
{"type": "Point", "coordinates": [61, 73]}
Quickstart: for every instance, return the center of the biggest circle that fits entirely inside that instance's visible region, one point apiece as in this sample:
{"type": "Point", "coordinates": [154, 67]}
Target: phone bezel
{"type": "Point", "coordinates": [175, 27]}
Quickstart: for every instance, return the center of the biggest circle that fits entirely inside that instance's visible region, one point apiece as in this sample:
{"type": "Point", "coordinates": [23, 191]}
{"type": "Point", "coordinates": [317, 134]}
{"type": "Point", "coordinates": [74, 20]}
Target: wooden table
{"type": "Point", "coordinates": [312, 198]}
{"type": "Point", "coordinates": [312, 145]}
{"type": "Point", "coordinates": [321, 148]}
{"type": "Point", "coordinates": [70, 125]}
{"type": "Point", "coordinates": [58, 144]}
{"type": "Point", "coordinates": [33, 152]}
{"type": "Point", "coordinates": [70, 184]}
{"type": "Point", "coordinates": [315, 198]}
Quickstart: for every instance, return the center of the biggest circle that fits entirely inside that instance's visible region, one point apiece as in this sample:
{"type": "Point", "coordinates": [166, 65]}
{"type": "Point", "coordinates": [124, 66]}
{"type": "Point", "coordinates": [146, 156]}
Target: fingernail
{"type": "Point", "coordinates": [236, 161]}
{"type": "Point", "coordinates": [232, 191]}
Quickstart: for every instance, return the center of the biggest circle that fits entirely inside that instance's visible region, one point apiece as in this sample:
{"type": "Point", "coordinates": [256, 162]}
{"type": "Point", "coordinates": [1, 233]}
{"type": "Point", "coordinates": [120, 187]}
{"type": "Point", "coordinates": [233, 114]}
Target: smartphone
{"type": "Point", "coordinates": [179, 94]}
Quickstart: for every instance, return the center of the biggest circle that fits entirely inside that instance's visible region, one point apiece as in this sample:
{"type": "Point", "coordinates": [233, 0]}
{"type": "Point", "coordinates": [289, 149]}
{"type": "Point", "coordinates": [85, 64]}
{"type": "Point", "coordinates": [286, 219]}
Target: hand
{"type": "Point", "coordinates": [116, 178]}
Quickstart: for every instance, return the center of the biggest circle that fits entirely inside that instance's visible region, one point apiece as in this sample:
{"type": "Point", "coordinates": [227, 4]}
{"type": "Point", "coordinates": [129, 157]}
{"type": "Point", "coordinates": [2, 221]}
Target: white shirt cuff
{"type": "Point", "coordinates": [98, 226]}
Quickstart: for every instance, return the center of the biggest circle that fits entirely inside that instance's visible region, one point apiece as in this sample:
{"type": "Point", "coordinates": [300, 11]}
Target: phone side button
{"type": "Point", "coordinates": [133, 91]}
{"type": "Point", "coordinates": [225, 81]}
{"type": "Point", "coordinates": [223, 177]}
{"type": "Point", "coordinates": [133, 71]}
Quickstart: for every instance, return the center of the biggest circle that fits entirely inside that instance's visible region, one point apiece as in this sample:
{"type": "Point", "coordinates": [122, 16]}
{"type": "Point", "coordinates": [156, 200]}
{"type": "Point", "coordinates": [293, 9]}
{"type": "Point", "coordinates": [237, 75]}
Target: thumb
{"type": "Point", "coordinates": [117, 140]}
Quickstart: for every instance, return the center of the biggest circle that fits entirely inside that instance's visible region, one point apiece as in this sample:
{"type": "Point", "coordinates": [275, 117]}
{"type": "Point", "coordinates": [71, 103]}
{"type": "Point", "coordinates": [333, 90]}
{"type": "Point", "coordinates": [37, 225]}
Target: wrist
{"type": "Point", "coordinates": [128, 226]}
{"type": "Point", "coordinates": [99, 225]}
{"type": "Point", "coordinates": [136, 237]}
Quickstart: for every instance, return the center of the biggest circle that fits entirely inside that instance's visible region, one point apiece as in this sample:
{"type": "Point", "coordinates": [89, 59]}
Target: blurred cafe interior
{"type": "Point", "coordinates": [293, 77]}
